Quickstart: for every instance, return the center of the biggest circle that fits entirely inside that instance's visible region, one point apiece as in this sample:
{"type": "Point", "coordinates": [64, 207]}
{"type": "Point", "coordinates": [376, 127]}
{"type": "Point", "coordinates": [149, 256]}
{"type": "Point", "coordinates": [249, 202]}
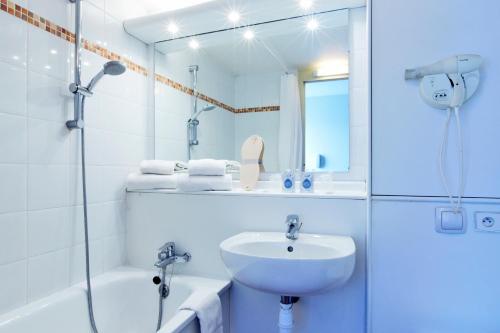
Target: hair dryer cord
{"type": "Point", "coordinates": [442, 157]}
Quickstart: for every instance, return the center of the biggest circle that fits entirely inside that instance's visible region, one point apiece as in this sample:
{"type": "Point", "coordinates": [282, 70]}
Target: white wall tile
{"type": "Point", "coordinates": [77, 261]}
{"type": "Point", "coordinates": [125, 44]}
{"type": "Point", "coordinates": [13, 139]}
{"type": "Point", "coordinates": [48, 230]}
{"type": "Point", "coordinates": [123, 9]}
{"type": "Point", "coordinates": [57, 11]}
{"type": "Point", "coordinates": [106, 183]}
{"type": "Point", "coordinates": [12, 286]}
{"type": "Point", "coordinates": [40, 159]}
{"type": "Point", "coordinates": [47, 273]}
{"type": "Point", "coordinates": [48, 142]}
{"type": "Point", "coordinates": [48, 54]}
{"type": "Point", "coordinates": [13, 41]}
{"type": "Point", "coordinates": [114, 252]}
{"type": "Point", "coordinates": [47, 187]}
{"type": "Point", "coordinates": [12, 237]}
{"type": "Point", "coordinates": [13, 190]}
{"type": "Point", "coordinates": [13, 89]}
{"type": "Point", "coordinates": [48, 98]}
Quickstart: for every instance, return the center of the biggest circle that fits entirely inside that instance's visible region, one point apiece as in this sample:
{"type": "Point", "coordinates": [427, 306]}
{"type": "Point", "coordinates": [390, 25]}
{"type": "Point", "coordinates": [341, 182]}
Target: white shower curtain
{"type": "Point", "coordinates": [290, 136]}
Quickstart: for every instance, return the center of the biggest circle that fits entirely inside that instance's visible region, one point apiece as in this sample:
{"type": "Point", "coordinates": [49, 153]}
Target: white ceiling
{"type": "Point", "coordinates": [280, 46]}
{"type": "Point", "coordinates": [200, 16]}
{"type": "Point", "coordinates": [157, 6]}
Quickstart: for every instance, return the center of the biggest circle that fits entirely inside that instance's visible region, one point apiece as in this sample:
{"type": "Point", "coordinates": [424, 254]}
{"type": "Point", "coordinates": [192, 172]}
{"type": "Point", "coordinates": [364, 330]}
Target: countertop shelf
{"type": "Point", "coordinates": [323, 190]}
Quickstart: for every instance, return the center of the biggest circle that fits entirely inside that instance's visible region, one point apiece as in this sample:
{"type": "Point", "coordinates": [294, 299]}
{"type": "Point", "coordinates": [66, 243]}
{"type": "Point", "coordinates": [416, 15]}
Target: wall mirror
{"type": "Point", "coordinates": [287, 80]}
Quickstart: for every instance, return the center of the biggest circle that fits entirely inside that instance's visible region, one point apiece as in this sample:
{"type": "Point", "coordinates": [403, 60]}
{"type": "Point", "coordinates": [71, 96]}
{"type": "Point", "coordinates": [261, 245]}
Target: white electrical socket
{"type": "Point", "coordinates": [488, 221]}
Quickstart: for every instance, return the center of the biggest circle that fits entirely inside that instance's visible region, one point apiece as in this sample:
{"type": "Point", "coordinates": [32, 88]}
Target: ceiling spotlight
{"type": "Point", "coordinates": [306, 4]}
{"type": "Point", "coordinates": [312, 24]}
{"type": "Point", "coordinates": [173, 28]}
{"type": "Point", "coordinates": [234, 16]}
{"type": "Point", "coordinates": [194, 44]}
{"type": "Point", "coordinates": [249, 35]}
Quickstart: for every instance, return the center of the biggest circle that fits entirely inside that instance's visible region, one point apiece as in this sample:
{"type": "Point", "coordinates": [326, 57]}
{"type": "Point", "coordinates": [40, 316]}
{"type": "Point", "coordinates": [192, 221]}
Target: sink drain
{"type": "Point", "coordinates": [290, 249]}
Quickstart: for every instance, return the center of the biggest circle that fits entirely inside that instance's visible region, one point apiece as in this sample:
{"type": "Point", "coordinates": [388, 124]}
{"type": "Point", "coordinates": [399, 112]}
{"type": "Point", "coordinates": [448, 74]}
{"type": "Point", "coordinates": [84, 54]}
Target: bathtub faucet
{"type": "Point", "coordinates": [168, 256]}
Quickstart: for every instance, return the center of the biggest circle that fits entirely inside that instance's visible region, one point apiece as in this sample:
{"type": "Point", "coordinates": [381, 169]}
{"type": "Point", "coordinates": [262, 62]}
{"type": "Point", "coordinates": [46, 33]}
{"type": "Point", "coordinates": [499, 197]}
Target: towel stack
{"type": "Point", "coordinates": [156, 175]}
{"type": "Point", "coordinates": [207, 175]}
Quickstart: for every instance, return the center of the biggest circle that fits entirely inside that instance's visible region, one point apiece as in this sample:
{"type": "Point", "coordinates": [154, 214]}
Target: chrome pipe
{"type": "Point", "coordinates": [77, 121]}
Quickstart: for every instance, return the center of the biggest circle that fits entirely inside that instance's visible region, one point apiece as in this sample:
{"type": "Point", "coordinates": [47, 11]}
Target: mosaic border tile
{"type": "Point", "coordinates": [29, 17]}
{"type": "Point", "coordinates": [35, 20]}
{"type": "Point", "coordinates": [169, 82]}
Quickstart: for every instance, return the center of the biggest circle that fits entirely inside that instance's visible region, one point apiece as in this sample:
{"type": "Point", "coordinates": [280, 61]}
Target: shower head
{"type": "Point", "coordinates": [199, 112]}
{"type": "Point", "coordinates": [114, 68]}
{"type": "Point", "coordinates": [208, 108]}
{"type": "Point", "coordinates": [109, 68]}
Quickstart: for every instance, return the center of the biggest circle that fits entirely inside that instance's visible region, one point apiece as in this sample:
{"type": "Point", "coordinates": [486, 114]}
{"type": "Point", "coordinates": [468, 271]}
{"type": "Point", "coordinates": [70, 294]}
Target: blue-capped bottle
{"type": "Point", "coordinates": [288, 181]}
{"type": "Point", "coordinates": [307, 182]}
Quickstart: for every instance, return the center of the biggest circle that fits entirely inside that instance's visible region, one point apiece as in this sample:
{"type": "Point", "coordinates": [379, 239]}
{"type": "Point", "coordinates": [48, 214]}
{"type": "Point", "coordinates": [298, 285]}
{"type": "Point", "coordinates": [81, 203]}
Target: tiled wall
{"type": "Point", "coordinates": [174, 107]}
{"type": "Point", "coordinates": [41, 235]}
{"type": "Point", "coordinates": [358, 96]}
{"type": "Point", "coordinates": [256, 90]}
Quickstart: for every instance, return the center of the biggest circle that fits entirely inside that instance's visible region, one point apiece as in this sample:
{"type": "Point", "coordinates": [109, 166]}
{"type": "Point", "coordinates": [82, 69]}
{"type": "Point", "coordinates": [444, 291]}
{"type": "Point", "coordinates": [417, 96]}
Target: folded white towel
{"type": "Point", "coordinates": [207, 167]}
{"type": "Point", "coordinates": [208, 308]}
{"type": "Point", "coordinates": [136, 181]}
{"type": "Point", "coordinates": [187, 183]}
{"type": "Point", "coordinates": [233, 166]}
{"type": "Point", "coordinates": [159, 167]}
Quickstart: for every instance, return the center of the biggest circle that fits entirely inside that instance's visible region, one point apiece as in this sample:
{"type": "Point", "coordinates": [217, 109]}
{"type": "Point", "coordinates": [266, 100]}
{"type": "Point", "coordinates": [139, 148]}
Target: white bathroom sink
{"type": "Point", "coordinates": [270, 262]}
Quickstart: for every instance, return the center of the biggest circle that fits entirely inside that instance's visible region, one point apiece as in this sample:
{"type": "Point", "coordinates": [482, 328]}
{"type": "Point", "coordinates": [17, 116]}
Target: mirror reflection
{"type": "Point", "coordinates": [286, 81]}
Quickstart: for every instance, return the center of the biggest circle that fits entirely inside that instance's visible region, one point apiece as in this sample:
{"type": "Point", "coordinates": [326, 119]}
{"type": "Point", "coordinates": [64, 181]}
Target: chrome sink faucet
{"type": "Point", "coordinates": [294, 225]}
{"type": "Point", "coordinates": [168, 256]}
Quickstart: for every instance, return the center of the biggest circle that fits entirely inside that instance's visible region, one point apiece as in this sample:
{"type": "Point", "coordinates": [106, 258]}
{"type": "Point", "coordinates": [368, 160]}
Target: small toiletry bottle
{"type": "Point", "coordinates": [288, 181]}
{"type": "Point", "coordinates": [307, 182]}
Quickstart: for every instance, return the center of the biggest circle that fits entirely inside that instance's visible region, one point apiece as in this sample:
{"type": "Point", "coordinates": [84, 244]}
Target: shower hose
{"type": "Point", "coordinates": [86, 227]}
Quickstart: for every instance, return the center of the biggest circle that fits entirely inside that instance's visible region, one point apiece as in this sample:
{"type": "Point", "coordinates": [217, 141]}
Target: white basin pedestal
{"type": "Point", "coordinates": [269, 262]}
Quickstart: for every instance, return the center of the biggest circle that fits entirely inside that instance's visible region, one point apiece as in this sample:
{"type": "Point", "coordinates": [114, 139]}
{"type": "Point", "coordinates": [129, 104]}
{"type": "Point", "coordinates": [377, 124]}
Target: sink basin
{"type": "Point", "coordinates": [268, 261]}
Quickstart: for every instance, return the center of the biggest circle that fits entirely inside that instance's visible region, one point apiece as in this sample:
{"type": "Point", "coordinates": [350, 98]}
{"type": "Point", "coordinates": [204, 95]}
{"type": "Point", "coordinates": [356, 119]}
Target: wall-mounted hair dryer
{"type": "Point", "coordinates": [447, 85]}
{"type": "Point", "coordinates": [464, 63]}
{"type": "Point", "coordinates": [450, 82]}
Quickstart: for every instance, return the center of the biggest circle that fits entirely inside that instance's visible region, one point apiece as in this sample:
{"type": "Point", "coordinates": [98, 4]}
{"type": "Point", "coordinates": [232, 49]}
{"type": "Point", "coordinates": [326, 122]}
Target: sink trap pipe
{"type": "Point", "coordinates": [286, 322]}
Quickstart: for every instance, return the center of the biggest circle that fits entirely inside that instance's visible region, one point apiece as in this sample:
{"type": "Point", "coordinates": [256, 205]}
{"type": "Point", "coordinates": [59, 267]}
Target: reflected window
{"type": "Point", "coordinates": [327, 125]}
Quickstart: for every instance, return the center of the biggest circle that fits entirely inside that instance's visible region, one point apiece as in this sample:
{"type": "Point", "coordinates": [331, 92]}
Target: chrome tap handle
{"type": "Point", "coordinates": [294, 225]}
{"type": "Point", "coordinates": [186, 257]}
{"type": "Point", "coordinates": [167, 250]}
{"type": "Point", "coordinates": [293, 220]}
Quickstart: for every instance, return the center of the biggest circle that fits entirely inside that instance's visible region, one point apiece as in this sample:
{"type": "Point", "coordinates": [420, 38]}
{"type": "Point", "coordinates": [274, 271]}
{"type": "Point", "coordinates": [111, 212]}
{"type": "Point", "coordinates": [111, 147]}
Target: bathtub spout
{"type": "Point", "coordinates": [168, 256]}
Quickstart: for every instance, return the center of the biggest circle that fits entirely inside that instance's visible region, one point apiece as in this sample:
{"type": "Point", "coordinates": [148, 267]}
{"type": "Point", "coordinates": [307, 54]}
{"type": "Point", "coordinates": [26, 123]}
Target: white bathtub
{"type": "Point", "coordinates": [125, 301]}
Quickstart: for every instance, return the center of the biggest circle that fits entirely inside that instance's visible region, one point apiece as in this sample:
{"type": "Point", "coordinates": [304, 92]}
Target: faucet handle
{"type": "Point", "coordinates": [167, 247]}
{"type": "Point", "coordinates": [293, 219]}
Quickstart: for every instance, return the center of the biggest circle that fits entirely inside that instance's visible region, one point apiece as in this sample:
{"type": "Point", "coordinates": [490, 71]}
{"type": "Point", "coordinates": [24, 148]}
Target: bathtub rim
{"type": "Point", "coordinates": [182, 317]}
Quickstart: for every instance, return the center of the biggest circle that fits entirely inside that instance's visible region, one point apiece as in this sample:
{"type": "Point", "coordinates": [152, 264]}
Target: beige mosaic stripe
{"type": "Point", "coordinates": [31, 18]}
{"type": "Point", "coordinates": [56, 30]}
{"type": "Point", "coordinates": [169, 82]}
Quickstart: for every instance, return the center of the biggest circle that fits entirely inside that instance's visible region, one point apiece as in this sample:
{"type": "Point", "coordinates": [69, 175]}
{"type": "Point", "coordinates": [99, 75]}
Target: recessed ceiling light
{"type": "Point", "coordinates": [194, 44]}
{"type": "Point", "coordinates": [249, 35]}
{"type": "Point", "coordinates": [306, 4]}
{"type": "Point", "coordinates": [312, 24]}
{"type": "Point", "coordinates": [234, 16]}
{"type": "Point", "coordinates": [15, 57]}
{"type": "Point", "coordinates": [173, 28]}
{"type": "Point", "coordinates": [47, 67]}
{"type": "Point", "coordinates": [53, 51]}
